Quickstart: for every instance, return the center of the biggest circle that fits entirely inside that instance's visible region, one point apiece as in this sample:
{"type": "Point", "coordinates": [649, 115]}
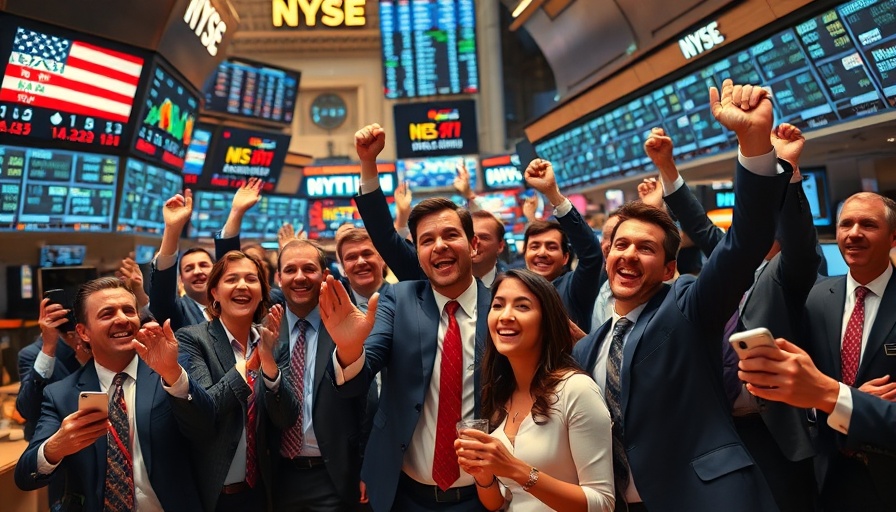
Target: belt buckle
{"type": "Point", "coordinates": [445, 496]}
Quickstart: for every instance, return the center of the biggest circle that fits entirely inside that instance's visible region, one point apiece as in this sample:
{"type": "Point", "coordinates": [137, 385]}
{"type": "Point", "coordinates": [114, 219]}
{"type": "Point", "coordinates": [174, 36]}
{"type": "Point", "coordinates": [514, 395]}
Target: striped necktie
{"type": "Point", "coordinates": [119, 488]}
{"type": "Point", "coordinates": [294, 436]}
{"type": "Point", "coordinates": [621, 469]}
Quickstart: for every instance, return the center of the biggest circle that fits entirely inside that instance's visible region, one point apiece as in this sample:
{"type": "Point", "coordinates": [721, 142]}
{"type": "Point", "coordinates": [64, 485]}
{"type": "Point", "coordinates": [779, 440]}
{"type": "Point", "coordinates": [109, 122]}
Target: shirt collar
{"type": "Point", "coordinates": [489, 278]}
{"type": "Point", "coordinates": [313, 319]}
{"type": "Point", "coordinates": [254, 336]}
{"type": "Point", "coordinates": [877, 287]}
{"type": "Point", "coordinates": [359, 299]}
{"type": "Point", "coordinates": [106, 375]}
{"type": "Point", "coordinates": [631, 315]}
{"type": "Point", "coordinates": [467, 300]}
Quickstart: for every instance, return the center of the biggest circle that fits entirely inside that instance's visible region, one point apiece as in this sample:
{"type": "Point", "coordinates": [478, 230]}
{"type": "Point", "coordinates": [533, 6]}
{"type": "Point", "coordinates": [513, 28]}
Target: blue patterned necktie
{"type": "Point", "coordinates": [294, 436]}
{"type": "Point", "coordinates": [119, 489]}
{"type": "Point", "coordinates": [621, 468]}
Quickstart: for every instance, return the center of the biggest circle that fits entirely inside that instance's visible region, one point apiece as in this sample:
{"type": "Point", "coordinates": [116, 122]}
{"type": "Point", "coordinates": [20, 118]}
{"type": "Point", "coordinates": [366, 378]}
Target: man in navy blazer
{"type": "Point", "coordinates": [675, 440]}
{"type": "Point", "coordinates": [74, 442]}
{"type": "Point", "coordinates": [407, 340]}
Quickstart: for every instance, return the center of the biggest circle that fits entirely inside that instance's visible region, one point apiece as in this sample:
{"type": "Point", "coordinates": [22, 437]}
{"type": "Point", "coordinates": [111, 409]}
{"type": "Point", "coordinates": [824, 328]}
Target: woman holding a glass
{"type": "Point", "coordinates": [550, 445]}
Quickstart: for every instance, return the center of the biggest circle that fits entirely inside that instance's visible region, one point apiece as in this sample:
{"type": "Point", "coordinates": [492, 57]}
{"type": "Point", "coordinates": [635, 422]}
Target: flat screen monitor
{"type": "Point", "coordinates": [68, 279]}
{"type": "Point", "coordinates": [435, 173]}
{"type": "Point", "coordinates": [505, 205]}
{"type": "Point", "coordinates": [143, 195]}
{"type": "Point", "coordinates": [502, 172]}
{"type": "Point", "coordinates": [69, 88]}
{"type": "Point", "coordinates": [326, 215]}
{"type": "Point", "coordinates": [62, 255]}
{"type": "Point", "coordinates": [815, 185]}
{"type": "Point", "coordinates": [58, 190]}
{"type": "Point", "coordinates": [836, 264]}
{"type": "Point", "coordinates": [329, 181]}
{"type": "Point", "coordinates": [239, 154]}
{"type": "Point", "coordinates": [261, 222]}
{"type": "Point", "coordinates": [436, 128]}
{"type": "Point", "coordinates": [167, 116]}
{"type": "Point", "coordinates": [429, 48]}
{"type": "Point", "coordinates": [244, 88]}
{"type": "Point", "coordinates": [143, 254]}
{"type": "Point", "coordinates": [197, 153]}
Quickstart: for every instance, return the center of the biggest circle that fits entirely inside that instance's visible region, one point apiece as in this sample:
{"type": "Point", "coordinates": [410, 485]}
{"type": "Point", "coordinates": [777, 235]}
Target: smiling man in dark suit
{"type": "Point", "coordinates": [658, 358]}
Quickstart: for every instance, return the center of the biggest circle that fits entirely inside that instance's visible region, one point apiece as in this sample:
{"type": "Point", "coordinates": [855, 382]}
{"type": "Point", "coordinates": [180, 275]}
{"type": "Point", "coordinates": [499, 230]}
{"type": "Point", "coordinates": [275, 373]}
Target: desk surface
{"type": "Point", "coordinates": [10, 451]}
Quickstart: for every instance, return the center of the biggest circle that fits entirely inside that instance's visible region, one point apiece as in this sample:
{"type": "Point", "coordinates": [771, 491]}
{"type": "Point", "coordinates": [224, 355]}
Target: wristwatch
{"type": "Point", "coordinates": [533, 479]}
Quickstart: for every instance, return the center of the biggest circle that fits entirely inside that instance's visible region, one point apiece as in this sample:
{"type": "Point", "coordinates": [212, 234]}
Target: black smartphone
{"type": "Point", "coordinates": [59, 296]}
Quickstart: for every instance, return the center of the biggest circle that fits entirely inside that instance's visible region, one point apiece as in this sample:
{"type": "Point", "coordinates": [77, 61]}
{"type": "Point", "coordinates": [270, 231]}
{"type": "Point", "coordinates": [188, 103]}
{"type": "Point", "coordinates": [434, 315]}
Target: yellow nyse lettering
{"type": "Point", "coordinates": [240, 156]}
{"type": "Point", "coordinates": [423, 131]}
{"type": "Point", "coordinates": [335, 12]}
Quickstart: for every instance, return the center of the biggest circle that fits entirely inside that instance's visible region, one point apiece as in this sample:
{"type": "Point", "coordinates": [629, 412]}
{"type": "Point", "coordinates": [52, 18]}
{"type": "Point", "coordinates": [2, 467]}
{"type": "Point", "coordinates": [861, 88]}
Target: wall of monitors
{"type": "Point", "coordinates": [211, 208]}
{"type": "Point", "coordinates": [166, 120]}
{"type": "Point", "coordinates": [143, 194]}
{"type": "Point", "coordinates": [61, 88]}
{"type": "Point", "coordinates": [429, 47]}
{"type": "Point", "coordinates": [830, 68]}
{"type": "Point", "coordinates": [56, 190]}
{"type": "Point", "coordinates": [435, 173]}
{"type": "Point", "coordinates": [240, 154]}
{"type": "Point", "coordinates": [251, 89]}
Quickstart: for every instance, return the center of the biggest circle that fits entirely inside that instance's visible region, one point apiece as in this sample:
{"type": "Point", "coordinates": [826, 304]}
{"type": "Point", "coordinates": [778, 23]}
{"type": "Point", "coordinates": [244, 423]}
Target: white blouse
{"type": "Point", "coordinates": [574, 445]}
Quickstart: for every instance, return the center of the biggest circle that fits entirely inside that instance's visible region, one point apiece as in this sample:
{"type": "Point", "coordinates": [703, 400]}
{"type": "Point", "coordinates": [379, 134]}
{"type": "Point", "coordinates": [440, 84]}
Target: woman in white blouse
{"type": "Point", "coordinates": [550, 446]}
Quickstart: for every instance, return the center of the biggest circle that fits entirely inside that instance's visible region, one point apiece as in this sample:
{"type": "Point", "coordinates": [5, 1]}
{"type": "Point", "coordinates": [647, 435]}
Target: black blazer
{"type": "Point", "coordinates": [206, 353]}
{"type": "Point", "coordinates": [32, 386]}
{"type": "Point", "coordinates": [164, 424]}
{"type": "Point", "coordinates": [680, 440]}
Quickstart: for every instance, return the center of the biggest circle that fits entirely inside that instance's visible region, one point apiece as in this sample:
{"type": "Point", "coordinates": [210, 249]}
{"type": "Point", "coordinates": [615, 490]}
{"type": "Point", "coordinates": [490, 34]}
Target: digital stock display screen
{"type": "Point", "coordinates": [251, 89]}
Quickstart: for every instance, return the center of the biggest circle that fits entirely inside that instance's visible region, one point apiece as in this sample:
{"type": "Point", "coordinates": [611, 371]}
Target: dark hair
{"type": "Point", "coordinates": [485, 214]}
{"type": "Point", "coordinates": [637, 210]}
{"type": "Point", "coordinates": [321, 255]}
{"type": "Point", "coordinates": [556, 355]}
{"type": "Point", "coordinates": [435, 205]}
{"type": "Point", "coordinates": [89, 288]}
{"type": "Point", "coordinates": [214, 277]}
{"type": "Point", "coordinates": [193, 250]}
{"type": "Point", "coordinates": [537, 227]}
{"type": "Point", "coordinates": [265, 264]}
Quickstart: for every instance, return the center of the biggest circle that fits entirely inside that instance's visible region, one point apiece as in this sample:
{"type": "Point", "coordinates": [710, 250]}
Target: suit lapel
{"type": "Point", "coordinates": [634, 339]}
{"type": "Point", "coordinates": [281, 350]}
{"type": "Point", "coordinates": [220, 343]}
{"type": "Point", "coordinates": [427, 332]}
{"type": "Point", "coordinates": [599, 338]}
{"type": "Point", "coordinates": [833, 312]}
{"type": "Point", "coordinates": [880, 329]}
{"type": "Point", "coordinates": [90, 382]}
{"type": "Point", "coordinates": [325, 348]}
{"type": "Point", "coordinates": [483, 300]}
{"type": "Point", "coordinates": [145, 397]}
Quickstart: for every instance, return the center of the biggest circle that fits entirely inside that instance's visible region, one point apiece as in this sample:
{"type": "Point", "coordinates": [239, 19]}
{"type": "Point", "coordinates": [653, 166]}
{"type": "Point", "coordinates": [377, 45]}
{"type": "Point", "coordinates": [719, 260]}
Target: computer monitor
{"type": "Point", "coordinates": [62, 255]}
{"type": "Point", "coordinates": [836, 264]}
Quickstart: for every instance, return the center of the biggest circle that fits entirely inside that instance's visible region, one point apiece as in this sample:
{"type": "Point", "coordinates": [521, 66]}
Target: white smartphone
{"type": "Point", "coordinates": [742, 342]}
{"type": "Point", "coordinates": [94, 400]}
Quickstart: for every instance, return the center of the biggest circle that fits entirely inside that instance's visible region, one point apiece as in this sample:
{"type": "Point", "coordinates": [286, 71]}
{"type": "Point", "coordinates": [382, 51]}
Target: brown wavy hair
{"type": "Point", "coordinates": [556, 355]}
{"type": "Point", "coordinates": [214, 277]}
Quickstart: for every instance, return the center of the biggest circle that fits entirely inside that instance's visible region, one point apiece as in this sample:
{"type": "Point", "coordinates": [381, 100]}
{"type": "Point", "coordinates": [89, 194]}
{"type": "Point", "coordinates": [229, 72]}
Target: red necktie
{"type": "Point", "coordinates": [445, 470]}
{"type": "Point", "coordinates": [251, 418]}
{"type": "Point", "coordinates": [851, 351]}
{"type": "Point", "coordinates": [119, 487]}
{"type": "Point", "coordinates": [293, 437]}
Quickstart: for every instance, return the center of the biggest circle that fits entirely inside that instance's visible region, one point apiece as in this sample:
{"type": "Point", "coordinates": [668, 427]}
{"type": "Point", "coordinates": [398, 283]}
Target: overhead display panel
{"type": "Point", "coordinates": [143, 195]}
{"type": "Point", "coordinates": [436, 129]}
{"type": "Point", "coordinates": [435, 173]}
{"type": "Point", "coordinates": [500, 172]}
{"type": "Point", "coordinates": [342, 180]}
{"type": "Point", "coordinates": [60, 88]}
{"type": "Point", "coordinates": [166, 119]}
{"type": "Point", "coordinates": [241, 154]}
{"type": "Point", "coordinates": [827, 69]}
{"type": "Point", "coordinates": [325, 216]}
{"type": "Point", "coordinates": [58, 190]}
{"type": "Point", "coordinates": [197, 152]}
{"type": "Point", "coordinates": [262, 221]}
{"type": "Point", "coordinates": [429, 47]}
{"type": "Point", "coordinates": [254, 90]}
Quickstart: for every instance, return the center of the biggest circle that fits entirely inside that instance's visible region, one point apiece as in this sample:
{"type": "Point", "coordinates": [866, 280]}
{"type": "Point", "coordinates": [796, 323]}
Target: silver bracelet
{"type": "Point", "coordinates": [533, 479]}
{"type": "Point", "coordinates": [490, 484]}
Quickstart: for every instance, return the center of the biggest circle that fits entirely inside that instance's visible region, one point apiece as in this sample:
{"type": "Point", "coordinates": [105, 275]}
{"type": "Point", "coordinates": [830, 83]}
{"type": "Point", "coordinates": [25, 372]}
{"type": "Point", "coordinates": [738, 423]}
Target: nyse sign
{"type": "Point", "coordinates": [701, 40]}
{"type": "Point", "coordinates": [330, 13]}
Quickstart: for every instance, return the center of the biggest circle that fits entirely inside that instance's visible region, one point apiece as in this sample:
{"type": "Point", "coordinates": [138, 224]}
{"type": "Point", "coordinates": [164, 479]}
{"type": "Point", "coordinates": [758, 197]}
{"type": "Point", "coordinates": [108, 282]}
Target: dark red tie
{"type": "Point", "coordinates": [851, 351]}
{"type": "Point", "coordinates": [251, 426]}
{"type": "Point", "coordinates": [119, 488]}
{"type": "Point", "coordinates": [445, 470]}
{"type": "Point", "coordinates": [294, 437]}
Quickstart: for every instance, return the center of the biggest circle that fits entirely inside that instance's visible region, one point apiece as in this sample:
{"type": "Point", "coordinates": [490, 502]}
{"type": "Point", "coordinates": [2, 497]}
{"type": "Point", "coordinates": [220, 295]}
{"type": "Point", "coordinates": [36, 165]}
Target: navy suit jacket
{"type": "Point", "coordinates": [336, 421]}
{"type": "Point", "coordinates": [206, 353]}
{"type": "Point", "coordinates": [680, 439]}
{"type": "Point", "coordinates": [162, 422]}
{"type": "Point", "coordinates": [578, 289]}
{"type": "Point", "coordinates": [31, 391]}
{"type": "Point", "coordinates": [404, 340]}
{"type": "Point", "coordinates": [822, 340]}
{"type": "Point", "coordinates": [776, 300]}
{"type": "Point", "coordinates": [873, 422]}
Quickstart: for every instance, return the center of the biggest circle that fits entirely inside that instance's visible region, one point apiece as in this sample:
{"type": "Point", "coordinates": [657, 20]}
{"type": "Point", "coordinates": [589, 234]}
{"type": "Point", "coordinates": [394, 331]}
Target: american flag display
{"type": "Point", "coordinates": [71, 77]}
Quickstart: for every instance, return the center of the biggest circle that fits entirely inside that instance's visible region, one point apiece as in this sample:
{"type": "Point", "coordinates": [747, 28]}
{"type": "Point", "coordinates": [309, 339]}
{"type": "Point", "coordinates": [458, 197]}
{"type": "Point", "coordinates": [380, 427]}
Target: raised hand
{"type": "Point", "coordinates": [157, 347]}
{"type": "Point", "coordinates": [651, 192]}
{"type": "Point", "coordinates": [285, 234]}
{"type": "Point", "coordinates": [658, 147]}
{"type": "Point", "coordinates": [540, 176]}
{"type": "Point", "coordinates": [788, 141]}
{"type": "Point", "coordinates": [130, 274]}
{"type": "Point", "coordinates": [77, 431]}
{"type": "Point", "coordinates": [177, 210]}
{"type": "Point", "coordinates": [881, 387]}
{"type": "Point", "coordinates": [52, 316]}
{"type": "Point", "coordinates": [345, 323]}
{"type": "Point", "coordinates": [247, 195]}
{"type": "Point", "coordinates": [530, 208]}
{"type": "Point", "coordinates": [462, 182]}
{"type": "Point", "coordinates": [747, 111]}
{"type": "Point", "coordinates": [403, 198]}
{"type": "Point", "coordinates": [270, 333]}
{"type": "Point", "coordinates": [369, 142]}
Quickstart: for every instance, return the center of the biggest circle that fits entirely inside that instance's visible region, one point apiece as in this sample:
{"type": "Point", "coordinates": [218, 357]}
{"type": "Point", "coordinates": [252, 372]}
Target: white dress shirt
{"type": "Point", "coordinates": [489, 278]}
{"type": "Point", "coordinates": [310, 447]}
{"type": "Point", "coordinates": [418, 458]}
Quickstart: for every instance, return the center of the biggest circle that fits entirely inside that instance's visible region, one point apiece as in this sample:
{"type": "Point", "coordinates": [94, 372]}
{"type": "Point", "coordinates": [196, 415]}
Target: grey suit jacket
{"type": "Point", "coordinates": [206, 354]}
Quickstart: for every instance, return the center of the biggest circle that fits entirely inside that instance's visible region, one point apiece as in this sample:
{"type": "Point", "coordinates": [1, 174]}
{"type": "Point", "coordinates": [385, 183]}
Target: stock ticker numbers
{"type": "Point", "coordinates": [834, 67]}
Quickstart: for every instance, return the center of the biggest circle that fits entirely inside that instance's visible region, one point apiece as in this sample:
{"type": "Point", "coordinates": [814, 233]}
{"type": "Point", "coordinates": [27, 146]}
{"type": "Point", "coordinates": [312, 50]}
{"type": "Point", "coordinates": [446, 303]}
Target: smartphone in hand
{"type": "Point", "coordinates": [59, 296]}
{"type": "Point", "coordinates": [742, 342]}
{"type": "Point", "coordinates": [93, 400]}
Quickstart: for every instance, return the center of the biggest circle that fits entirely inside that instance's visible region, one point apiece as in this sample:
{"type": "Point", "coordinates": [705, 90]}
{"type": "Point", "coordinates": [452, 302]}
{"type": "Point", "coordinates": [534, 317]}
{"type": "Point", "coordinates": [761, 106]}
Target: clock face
{"type": "Point", "coordinates": [328, 111]}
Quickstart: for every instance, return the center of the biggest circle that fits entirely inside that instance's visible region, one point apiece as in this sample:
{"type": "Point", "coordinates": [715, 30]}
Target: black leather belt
{"type": "Point", "coordinates": [432, 494]}
{"type": "Point", "coordinates": [305, 462]}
